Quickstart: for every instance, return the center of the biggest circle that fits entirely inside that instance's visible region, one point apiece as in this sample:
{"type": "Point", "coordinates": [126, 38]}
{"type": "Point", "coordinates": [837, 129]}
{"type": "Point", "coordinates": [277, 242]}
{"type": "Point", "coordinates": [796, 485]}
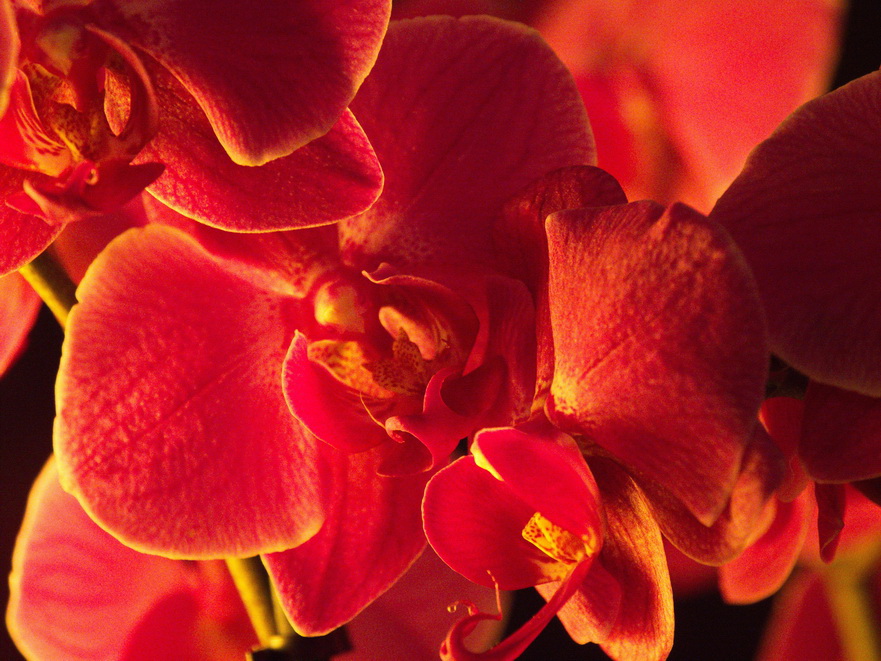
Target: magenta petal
{"type": "Point", "coordinates": [270, 79]}
{"type": "Point", "coordinates": [333, 177]}
{"type": "Point", "coordinates": [841, 435]}
{"type": "Point", "coordinates": [474, 522]}
{"type": "Point", "coordinates": [500, 112]}
{"type": "Point", "coordinates": [19, 305]}
{"type": "Point", "coordinates": [327, 408]}
{"type": "Point", "coordinates": [659, 342]}
{"type": "Point", "coordinates": [547, 472]}
{"type": "Point", "coordinates": [22, 236]}
{"type": "Point", "coordinates": [766, 564]}
{"type": "Point", "coordinates": [77, 594]}
{"type": "Point", "coordinates": [372, 533]}
{"type": "Point", "coordinates": [805, 213]}
{"type": "Point", "coordinates": [172, 429]}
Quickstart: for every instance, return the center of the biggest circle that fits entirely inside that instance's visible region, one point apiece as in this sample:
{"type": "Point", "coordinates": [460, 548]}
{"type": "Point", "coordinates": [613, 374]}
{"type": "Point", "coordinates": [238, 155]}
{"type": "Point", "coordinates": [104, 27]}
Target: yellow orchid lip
{"type": "Point", "coordinates": [557, 542]}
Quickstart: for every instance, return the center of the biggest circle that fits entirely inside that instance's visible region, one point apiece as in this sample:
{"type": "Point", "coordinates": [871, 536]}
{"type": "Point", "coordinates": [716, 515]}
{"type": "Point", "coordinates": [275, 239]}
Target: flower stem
{"type": "Point", "coordinates": [51, 282]}
{"type": "Point", "coordinates": [253, 585]}
{"type": "Point", "coordinates": [855, 614]}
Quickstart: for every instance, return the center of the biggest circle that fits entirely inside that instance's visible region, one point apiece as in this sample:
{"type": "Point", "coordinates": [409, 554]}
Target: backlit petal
{"type": "Point", "coordinates": [270, 79]}
{"type": "Point", "coordinates": [172, 429]}
{"type": "Point", "coordinates": [500, 112]}
{"type": "Point", "coordinates": [372, 533]}
{"type": "Point", "coordinates": [19, 305]}
{"type": "Point", "coordinates": [78, 594]}
{"type": "Point", "coordinates": [805, 211]}
{"type": "Point", "coordinates": [22, 236]}
{"type": "Point", "coordinates": [659, 342]}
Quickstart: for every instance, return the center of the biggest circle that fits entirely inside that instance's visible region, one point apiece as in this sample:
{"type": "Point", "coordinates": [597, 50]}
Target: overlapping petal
{"type": "Point", "coordinates": [22, 236]}
{"type": "Point", "coordinates": [805, 211]}
{"type": "Point", "coordinates": [332, 177]}
{"type": "Point", "coordinates": [660, 347]}
{"type": "Point", "coordinates": [500, 111]}
{"type": "Point", "coordinates": [9, 47]}
{"type": "Point", "coordinates": [78, 594]}
{"type": "Point", "coordinates": [172, 429]}
{"type": "Point", "coordinates": [269, 80]}
{"type": "Point", "coordinates": [841, 434]}
{"type": "Point", "coordinates": [372, 533]}
{"type": "Point", "coordinates": [19, 305]}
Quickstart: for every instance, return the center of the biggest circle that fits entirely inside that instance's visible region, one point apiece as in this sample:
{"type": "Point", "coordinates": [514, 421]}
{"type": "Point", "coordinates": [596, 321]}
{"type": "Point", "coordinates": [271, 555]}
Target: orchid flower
{"type": "Point", "coordinates": [264, 388]}
{"type": "Point", "coordinates": [102, 97]}
{"type": "Point", "coordinates": [679, 92]}
{"type": "Point", "coordinates": [652, 357]}
{"type": "Point", "coordinates": [78, 594]}
{"type": "Point", "coordinates": [805, 214]}
{"type": "Point", "coordinates": [526, 509]}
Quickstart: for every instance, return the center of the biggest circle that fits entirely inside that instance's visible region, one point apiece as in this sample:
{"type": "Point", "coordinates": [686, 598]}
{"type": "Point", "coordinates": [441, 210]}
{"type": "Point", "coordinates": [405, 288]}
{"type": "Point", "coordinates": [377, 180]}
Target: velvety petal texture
{"type": "Point", "coordinates": [372, 533]}
{"type": "Point", "coordinates": [660, 345]}
{"type": "Point", "coordinates": [9, 47]}
{"type": "Point", "coordinates": [332, 177]}
{"type": "Point", "coordinates": [805, 212]}
{"type": "Point", "coordinates": [500, 112]}
{"type": "Point", "coordinates": [172, 430]}
{"type": "Point", "coordinates": [78, 594]}
{"type": "Point", "coordinates": [22, 236]}
{"type": "Point", "coordinates": [19, 305]}
{"type": "Point", "coordinates": [269, 80]}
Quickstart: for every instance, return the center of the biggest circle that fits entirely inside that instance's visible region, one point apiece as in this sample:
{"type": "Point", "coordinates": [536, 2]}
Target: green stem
{"type": "Point", "coordinates": [253, 585]}
{"type": "Point", "coordinates": [853, 609]}
{"type": "Point", "coordinates": [51, 282]}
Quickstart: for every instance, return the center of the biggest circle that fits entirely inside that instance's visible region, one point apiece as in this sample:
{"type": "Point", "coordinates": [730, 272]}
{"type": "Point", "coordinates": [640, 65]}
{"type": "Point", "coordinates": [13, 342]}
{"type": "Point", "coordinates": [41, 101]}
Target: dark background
{"type": "Point", "coordinates": [26, 411]}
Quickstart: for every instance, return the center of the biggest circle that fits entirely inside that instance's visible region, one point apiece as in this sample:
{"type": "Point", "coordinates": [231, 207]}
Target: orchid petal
{"type": "Point", "coordinates": [548, 474]}
{"type": "Point", "coordinates": [841, 435]}
{"type": "Point", "coordinates": [747, 514]}
{"type": "Point", "coordinates": [330, 410]}
{"type": "Point", "coordinates": [522, 242]}
{"type": "Point", "coordinates": [659, 342]}
{"type": "Point", "coordinates": [333, 177]}
{"type": "Point", "coordinates": [633, 554]}
{"type": "Point", "coordinates": [372, 533]}
{"type": "Point", "coordinates": [831, 509]}
{"type": "Point", "coordinates": [269, 81]}
{"type": "Point", "coordinates": [802, 626]}
{"type": "Point", "coordinates": [22, 236]}
{"type": "Point", "coordinates": [19, 305]}
{"type": "Point", "coordinates": [67, 599]}
{"type": "Point", "coordinates": [765, 565]}
{"type": "Point", "coordinates": [501, 111]}
{"type": "Point", "coordinates": [782, 417]}
{"type": "Point", "coordinates": [805, 213]}
{"type": "Point", "coordinates": [483, 543]}
{"type": "Point", "coordinates": [172, 430]}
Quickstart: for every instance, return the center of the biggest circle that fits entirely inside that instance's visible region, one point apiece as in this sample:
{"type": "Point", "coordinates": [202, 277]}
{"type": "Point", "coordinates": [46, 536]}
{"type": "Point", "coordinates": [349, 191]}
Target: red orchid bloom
{"type": "Point", "coordinates": [19, 305]}
{"type": "Point", "coordinates": [805, 213]}
{"type": "Point", "coordinates": [525, 509]}
{"type": "Point", "coordinates": [679, 92]}
{"type": "Point", "coordinates": [102, 96]}
{"type": "Point", "coordinates": [78, 594]}
{"type": "Point", "coordinates": [188, 351]}
{"type": "Point", "coordinates": [645, 317]}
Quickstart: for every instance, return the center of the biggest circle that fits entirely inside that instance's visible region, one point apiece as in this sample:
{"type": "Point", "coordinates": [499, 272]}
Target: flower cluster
{"type": "Point", "coordinates": [350, 287]}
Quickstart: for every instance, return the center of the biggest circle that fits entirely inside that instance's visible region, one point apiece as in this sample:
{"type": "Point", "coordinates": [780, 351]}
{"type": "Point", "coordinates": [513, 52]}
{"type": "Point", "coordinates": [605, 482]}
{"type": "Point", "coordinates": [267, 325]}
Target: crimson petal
{"type": "Point", "coordinates": [172, 429]}
{"type": "Point", "coordinates": [19, 305]}
{"type": "Point", "coordinates": [372, 533]}
{"type": "Point", "coordinates": [500, 112]}
{"type": "Point", "coordinates": [270, 79]}
{"type": "Point", "coordinates": [659, 342]}
{"type": "Point", "coordinates": [805, 213]}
